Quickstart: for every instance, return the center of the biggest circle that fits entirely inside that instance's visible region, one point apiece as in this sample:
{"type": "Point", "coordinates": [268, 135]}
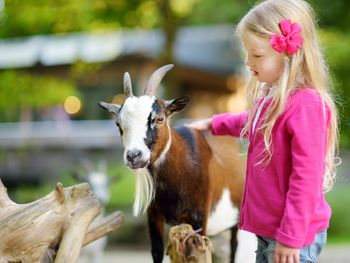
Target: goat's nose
{"type": "Point", "coordinates": [132, 155]}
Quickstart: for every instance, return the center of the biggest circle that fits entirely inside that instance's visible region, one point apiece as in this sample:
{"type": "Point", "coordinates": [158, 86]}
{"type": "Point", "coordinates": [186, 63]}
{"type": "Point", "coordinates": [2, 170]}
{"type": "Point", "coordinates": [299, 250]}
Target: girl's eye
{"type": "Point", "coordinates": [257, 56]}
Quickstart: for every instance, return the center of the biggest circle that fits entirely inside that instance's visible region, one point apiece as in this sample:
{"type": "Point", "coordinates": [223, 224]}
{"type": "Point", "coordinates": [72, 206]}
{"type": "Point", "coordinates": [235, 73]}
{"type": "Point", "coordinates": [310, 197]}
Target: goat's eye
{"type": "Point", "coordinates": [160, 120]}
{"type": "Point", "coordinates": [119, 128]}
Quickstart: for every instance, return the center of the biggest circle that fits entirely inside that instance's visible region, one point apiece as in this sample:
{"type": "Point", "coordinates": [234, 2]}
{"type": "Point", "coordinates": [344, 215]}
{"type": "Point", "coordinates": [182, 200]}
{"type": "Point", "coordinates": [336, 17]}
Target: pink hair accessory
{"type": "Point", "coordinates": [290, 40]}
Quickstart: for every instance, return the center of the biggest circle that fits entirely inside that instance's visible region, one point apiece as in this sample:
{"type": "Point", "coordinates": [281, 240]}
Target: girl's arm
{"type": "Point", "coordinates": [201, 125]}
{"type": "Point", "coordinates": [229, 124]}
{"type": "Point", "coordinates": [308, 130]}
{"type": "Point", "coordinates": [222, 124]}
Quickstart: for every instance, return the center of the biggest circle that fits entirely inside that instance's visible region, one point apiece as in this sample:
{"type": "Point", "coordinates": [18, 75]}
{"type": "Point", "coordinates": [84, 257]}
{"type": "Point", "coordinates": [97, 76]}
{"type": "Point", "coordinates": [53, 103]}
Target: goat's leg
{"type": "Point", "coordinates": [156, 230]}
{"type": "Point", "coordinates": [234, 242]}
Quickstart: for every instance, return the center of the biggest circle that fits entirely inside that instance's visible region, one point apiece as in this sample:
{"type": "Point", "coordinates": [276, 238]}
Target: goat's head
{"type": "Point", "coordinates": [96, 177]}
{"type": "Point", "coordinates": [143, 121]}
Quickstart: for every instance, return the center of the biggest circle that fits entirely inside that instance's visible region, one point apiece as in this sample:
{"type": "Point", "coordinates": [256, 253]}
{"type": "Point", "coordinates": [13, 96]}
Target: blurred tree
{"type": "Point", "coordinates": [214, 12]}
{"type": "Point", "coordinates": [334, 14]}
{"type": "Point", "coordinates": [337, 48]}
{"type": "Point", "coordinates": [30, 17]}
{"type": "Point", "coordinates": [20, 93]}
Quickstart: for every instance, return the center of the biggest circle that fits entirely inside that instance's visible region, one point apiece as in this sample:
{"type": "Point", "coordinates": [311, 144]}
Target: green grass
{"type": "Point", "coordinates": [122, 190]}
{"type": "Point", "coordinates": [27, 194]}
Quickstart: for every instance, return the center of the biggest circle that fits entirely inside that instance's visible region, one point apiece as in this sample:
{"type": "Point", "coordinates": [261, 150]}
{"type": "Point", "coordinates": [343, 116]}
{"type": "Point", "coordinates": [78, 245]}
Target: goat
{"type": "Point", "coordinates": [182, 175]}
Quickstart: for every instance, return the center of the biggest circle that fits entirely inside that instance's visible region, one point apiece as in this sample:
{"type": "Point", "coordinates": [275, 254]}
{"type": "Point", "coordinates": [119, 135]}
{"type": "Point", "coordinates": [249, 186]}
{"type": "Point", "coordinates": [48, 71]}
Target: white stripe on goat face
{"type": "Point", "coordinates": [133, 119]}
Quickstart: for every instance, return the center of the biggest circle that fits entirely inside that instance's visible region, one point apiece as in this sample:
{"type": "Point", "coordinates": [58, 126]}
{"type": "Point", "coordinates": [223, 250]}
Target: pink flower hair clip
{"type": "Point", "coordinates": [290, 40]}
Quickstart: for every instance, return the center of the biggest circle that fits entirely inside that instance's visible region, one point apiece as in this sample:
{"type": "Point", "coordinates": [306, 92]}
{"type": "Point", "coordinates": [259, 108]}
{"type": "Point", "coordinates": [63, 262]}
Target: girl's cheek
{"type": "Point", "coordinates": [267, 66]}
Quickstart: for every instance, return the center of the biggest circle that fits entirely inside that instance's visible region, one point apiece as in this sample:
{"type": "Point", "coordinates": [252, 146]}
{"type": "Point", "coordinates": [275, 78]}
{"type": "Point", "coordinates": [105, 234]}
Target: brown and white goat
{"type": "Point", "coordinates": [182, 175]}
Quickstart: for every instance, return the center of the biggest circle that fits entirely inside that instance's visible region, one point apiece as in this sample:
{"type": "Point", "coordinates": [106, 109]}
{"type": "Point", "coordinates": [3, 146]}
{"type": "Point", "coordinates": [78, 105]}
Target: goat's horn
{"type": "Point", "coordinates": [127, 85]}
{"type": "Point", "coordinates": [155, 79]}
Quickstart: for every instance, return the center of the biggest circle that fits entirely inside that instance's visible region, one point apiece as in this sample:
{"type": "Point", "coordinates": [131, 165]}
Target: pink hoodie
{"type": "Point", "coordinates": [284, 200]}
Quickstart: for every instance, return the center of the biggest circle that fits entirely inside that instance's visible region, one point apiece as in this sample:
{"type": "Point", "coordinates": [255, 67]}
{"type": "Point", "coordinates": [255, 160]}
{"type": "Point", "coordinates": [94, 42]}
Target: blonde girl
{"type": "Point", "coordinates": [292, 130]}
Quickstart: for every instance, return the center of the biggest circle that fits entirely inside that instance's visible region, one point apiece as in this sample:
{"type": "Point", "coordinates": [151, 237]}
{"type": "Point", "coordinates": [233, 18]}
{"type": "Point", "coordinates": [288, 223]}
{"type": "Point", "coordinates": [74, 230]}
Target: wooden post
{"type": "Point", "coordinates": [187, 246]}
{"type": "Point", "coordinates": [53, 228]}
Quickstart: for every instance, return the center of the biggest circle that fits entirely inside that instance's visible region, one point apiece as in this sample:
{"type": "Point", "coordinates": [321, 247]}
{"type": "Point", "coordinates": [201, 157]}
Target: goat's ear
{"type": "Point", "coordinates": [110, 107]}
{"type": "Point", "coordinates": [77, 176]}
{"type": "Point", "coordinates": [176, 105]}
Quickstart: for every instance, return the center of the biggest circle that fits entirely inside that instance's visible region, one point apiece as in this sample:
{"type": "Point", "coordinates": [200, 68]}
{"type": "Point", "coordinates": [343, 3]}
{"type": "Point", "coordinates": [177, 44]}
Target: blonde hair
{"type": "Point", "coordinates": [306, 67]}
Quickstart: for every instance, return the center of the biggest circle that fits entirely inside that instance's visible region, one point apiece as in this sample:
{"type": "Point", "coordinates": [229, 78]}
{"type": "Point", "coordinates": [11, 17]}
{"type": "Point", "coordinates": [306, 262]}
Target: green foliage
{"type": "Point", "coordinates": [122, 191]}
{"type": "Point", "coordinates": [213, 12]}
{"type": "Point", "coordinates": [337, 49]}
{"type": "Point", "coordinates": [339, 200]}
{"type": "Point", "coordinates": [30, 17]}
{"type": "Point", "coordinates": [334, 14]}
{"type": "Point", "coordinates": [22, 90]}
{"type": "Point", "coordinates": [44, 91]}
{"type": "Point", "coordinates": [26, 194]}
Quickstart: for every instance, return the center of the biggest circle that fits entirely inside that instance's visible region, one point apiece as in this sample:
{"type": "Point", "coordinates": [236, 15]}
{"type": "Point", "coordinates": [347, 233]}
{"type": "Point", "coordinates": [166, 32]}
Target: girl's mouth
{"type": "Point", "coordinates": [255, 73]}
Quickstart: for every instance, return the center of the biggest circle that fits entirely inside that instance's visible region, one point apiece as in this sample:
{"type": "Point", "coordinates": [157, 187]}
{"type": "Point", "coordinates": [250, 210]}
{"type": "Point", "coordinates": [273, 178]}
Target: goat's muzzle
{"type": "Point", "coordinates": [135, 159]}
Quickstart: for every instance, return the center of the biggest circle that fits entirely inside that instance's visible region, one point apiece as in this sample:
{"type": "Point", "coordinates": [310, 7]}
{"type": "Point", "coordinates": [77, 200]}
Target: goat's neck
{"type": "Point", "coordinates": [182, 156]}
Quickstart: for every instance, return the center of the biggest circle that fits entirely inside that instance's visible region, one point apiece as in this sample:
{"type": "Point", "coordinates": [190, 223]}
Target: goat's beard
{"type": "Point", "coordinates": [144, 191]}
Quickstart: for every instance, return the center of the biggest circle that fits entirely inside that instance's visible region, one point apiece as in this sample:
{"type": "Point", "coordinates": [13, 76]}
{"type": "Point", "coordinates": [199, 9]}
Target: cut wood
{"type": "Point", "coordinates": [187, 246]}
{"type": "Point", "coordinates": [53, 228]}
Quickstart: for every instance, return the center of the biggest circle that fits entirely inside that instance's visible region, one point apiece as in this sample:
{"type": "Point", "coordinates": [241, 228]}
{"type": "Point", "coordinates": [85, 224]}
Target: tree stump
{"type": "Point", "coordinates": [187, 246]}
{"type": "Point", "coordinates": [53, 228]}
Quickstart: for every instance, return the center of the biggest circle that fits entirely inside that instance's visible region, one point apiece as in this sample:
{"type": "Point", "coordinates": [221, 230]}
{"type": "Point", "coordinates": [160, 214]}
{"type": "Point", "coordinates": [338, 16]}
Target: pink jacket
{"type": "Point", "coordinates": [284, 199]}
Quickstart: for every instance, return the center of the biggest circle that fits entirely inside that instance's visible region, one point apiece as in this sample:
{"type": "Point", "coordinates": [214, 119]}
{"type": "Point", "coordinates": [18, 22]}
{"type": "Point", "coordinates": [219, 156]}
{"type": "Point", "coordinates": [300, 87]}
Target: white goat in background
{"type": "Point", "coordinates": [99, 182]}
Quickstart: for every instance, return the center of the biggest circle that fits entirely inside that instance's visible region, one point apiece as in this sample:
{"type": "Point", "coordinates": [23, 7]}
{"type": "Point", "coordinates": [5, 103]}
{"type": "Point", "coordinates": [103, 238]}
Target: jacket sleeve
{"type": "Point", "coordinates": [229, 124]}
{"type": "Point", "coordinates": [307, 127]}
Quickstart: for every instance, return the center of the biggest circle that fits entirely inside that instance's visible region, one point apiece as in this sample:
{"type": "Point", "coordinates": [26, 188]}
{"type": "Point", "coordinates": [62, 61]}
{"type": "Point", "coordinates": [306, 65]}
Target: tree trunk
{"type": "Point", "coordinates": [53, 228]}
{"type": "Point", "coordinates": [186, 246]}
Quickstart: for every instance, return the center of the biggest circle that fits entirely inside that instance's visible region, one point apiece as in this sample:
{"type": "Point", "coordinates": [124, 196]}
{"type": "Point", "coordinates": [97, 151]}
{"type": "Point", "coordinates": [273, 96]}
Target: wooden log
{"type": "Point", "coordinates": [53, 228]}
{"type": "Point", "coordinates": [103, 226]}
{"type": "Point", "coordinates": [187, 246]}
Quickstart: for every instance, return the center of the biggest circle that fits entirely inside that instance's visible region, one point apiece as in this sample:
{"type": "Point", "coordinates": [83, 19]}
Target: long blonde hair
{"type": "Point", "coordinates": [306, 67]}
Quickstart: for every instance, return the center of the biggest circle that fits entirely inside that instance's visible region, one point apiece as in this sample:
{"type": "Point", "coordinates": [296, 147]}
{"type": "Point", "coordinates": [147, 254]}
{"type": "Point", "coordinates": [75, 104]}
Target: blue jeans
{"type": "Point", "coordinates": [308, 254]}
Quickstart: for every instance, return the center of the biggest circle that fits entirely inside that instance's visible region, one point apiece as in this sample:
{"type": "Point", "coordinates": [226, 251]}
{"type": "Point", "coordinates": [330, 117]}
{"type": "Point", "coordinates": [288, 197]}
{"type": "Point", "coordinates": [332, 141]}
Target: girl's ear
{"type": "Point", "coordinates": [110, 107]}
{"type": "Point", "coordinates": [172, 106]}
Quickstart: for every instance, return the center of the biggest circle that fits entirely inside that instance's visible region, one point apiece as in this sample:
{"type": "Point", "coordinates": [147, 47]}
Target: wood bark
{"type": "Point", "coordinates": [187, 246]}
{"type": "Point", "coordinates": [53, 228]}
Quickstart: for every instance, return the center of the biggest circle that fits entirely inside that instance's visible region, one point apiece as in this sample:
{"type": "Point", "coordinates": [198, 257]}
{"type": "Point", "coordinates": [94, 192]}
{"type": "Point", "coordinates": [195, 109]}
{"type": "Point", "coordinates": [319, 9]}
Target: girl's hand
{"type": "Point", "coordinates": [201, 125]}
{"type": "Point", "coordinates": [284, 254]}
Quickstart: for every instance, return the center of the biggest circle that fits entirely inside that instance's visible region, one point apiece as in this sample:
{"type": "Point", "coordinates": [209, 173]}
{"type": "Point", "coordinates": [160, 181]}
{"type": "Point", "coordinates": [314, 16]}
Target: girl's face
{"type": "Point", "coordinates": [265, 63]}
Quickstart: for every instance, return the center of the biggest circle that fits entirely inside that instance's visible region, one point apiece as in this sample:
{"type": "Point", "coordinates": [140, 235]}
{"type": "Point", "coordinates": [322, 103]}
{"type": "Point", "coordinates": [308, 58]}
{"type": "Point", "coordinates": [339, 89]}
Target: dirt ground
{"type": "Point", "coordinates": [330, 254]}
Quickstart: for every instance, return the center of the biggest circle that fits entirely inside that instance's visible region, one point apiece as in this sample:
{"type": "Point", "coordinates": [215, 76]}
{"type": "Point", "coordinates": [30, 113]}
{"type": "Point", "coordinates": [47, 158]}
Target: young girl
{"type": "Point", "coordinates": [292, 129]}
